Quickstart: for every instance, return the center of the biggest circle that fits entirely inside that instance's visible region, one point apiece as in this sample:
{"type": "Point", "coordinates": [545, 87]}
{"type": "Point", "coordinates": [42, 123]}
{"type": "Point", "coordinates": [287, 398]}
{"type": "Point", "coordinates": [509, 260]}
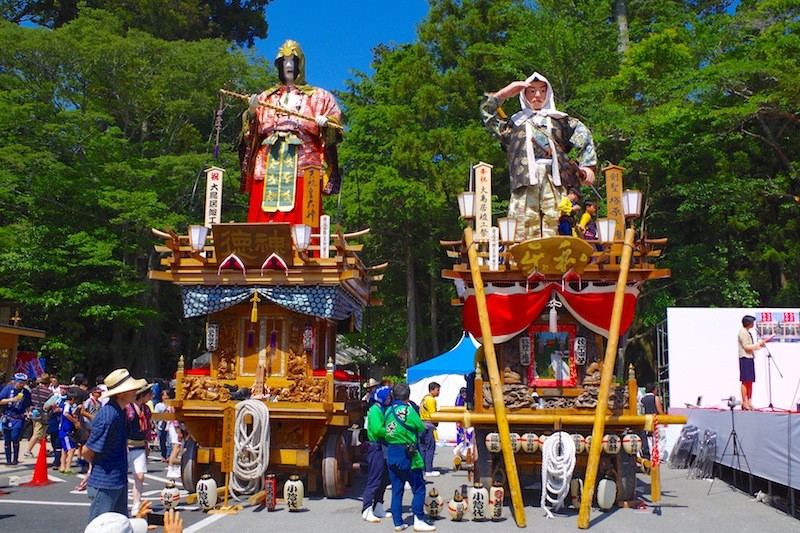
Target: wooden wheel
{"type": "Point", "coordinates": [334, 466]}
{"type": "Point", "coordinates": [190, 471]}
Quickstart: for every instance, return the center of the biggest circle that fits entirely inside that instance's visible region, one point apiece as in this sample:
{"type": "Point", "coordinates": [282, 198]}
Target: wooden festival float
{"type": "Point", "coordinates": [546, 311]}
{"type": "Point", "coordinates": [274, 296]}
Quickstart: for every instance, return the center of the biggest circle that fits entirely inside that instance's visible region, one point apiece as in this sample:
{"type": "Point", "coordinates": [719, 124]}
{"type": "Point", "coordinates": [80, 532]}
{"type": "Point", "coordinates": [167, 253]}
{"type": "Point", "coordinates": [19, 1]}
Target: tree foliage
{"type": "Point", "coordinates": [105, 128]}
{"type": "Point", "coordinates": [241, 21]}
{"type": "Point", "coordinates": [104, 134]}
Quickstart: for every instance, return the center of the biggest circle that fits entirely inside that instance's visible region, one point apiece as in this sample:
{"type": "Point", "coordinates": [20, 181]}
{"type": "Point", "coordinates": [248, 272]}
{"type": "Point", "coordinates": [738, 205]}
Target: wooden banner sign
{"type": "Point", "coordinates": [228, 429]}
{"type": "Point", "coordinates": [553, 255]}
{"type": "Point", "coordinates": [483, 201]}
{"type": "Point", "coordinates": [613, 175]}
{"type": "Point", "coordinates": [214, 179]}
{"type": "Point", "coordinates": [253, 243]}
{"type": "Point", "coordinates": [312, 196]}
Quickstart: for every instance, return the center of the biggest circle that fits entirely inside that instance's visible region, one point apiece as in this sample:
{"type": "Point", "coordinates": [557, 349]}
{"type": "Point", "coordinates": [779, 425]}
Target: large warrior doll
{"type": "Point", "coordinates": [537, 141]}
{"type": "Point", "coordinates": [277, 146]}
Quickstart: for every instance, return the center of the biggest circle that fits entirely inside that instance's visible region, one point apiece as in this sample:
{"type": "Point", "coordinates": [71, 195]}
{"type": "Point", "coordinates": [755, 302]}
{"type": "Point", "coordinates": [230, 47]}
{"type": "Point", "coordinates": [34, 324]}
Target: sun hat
{"type": "Point", "coordinates": [116, 523]}
{"type": "Point", "coordinates": [144, 389]}
{"type": "Point", "coordinates": [119, 381]}
{"type": "Point", "coordinates": [372, 383]}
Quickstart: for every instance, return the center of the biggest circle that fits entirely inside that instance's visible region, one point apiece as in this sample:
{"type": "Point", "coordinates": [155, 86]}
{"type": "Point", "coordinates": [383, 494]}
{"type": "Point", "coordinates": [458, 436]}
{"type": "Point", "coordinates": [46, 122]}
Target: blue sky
{"type": "Point", "coordinates": [338, 36]}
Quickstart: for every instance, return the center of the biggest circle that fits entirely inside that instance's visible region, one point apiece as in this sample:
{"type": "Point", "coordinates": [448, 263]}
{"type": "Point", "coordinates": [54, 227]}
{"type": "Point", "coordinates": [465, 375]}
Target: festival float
{"type": "Point", "coordinates": [274, 292]}
{"type": "Point", "coordinates": [549, 313]}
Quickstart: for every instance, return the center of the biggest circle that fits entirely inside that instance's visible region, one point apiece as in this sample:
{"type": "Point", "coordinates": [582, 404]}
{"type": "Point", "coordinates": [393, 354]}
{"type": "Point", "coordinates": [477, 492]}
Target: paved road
{"type": "Point", "coordinates": [685, 507]}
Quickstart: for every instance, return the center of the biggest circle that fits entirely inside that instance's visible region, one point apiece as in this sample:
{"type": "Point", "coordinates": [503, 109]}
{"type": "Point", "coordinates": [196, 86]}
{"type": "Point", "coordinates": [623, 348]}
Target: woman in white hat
{"type": "Point", "coordinates": [107, 447]}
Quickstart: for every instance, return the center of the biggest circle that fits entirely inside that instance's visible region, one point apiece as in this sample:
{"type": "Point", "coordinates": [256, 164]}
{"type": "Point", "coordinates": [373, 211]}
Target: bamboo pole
{"type": "Point", "coordinates": [494, 380]}
{"type": "Point", "coordinates": [605, 383]}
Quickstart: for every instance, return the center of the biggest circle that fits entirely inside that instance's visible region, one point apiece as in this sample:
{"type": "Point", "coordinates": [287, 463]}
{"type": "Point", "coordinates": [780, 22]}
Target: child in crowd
{"type": "Point", "coordinates": [587, 228]}
{"type": "Point", "coordinates": [567, 207]}
{"type": "Point", "coordinates": [69, 422]}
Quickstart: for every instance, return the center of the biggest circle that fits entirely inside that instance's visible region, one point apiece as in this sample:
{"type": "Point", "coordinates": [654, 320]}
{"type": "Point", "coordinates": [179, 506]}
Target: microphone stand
{"type": "Point", "coordinates": [770, 362]}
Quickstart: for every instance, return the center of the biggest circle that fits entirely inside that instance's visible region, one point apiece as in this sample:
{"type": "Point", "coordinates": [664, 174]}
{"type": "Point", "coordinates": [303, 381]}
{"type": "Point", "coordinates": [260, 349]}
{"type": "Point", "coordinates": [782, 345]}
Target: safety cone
{"type": "Point", "coordinates": [40, 477]}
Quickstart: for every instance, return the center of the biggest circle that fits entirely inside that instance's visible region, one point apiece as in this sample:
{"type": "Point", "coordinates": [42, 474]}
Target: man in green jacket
{"type": "Point", "coordinates": [377, 473]}
{"type": "Point", "coordinates": [403, 426]}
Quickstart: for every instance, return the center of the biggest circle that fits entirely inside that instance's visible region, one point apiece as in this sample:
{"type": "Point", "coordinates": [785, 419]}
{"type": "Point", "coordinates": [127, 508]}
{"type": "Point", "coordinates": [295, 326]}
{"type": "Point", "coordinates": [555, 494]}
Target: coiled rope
{"type": "Point", "coordinates": [250, 448]}
{"type": "Point", "coordinates": [558, 462]}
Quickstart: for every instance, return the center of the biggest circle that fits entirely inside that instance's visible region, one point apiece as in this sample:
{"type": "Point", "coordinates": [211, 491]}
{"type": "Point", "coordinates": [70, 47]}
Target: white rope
{"type": "Point", "coordinates": [250, 448]}
{"type": "Point", "coordinates": [558, 462]}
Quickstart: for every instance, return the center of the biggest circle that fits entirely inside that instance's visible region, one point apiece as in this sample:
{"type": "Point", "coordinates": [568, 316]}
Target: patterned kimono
{"type": "Point", "coordinates": [276, 147]}
{"type": "Point", "coordinates": [537, 144]}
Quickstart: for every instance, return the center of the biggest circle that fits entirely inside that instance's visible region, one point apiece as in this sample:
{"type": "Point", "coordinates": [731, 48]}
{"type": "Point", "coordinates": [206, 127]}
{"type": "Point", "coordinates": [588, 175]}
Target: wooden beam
{"type": "Point", "coordinates": [496, 384]}
{"type": "Point", "coordinates": [606, 378]}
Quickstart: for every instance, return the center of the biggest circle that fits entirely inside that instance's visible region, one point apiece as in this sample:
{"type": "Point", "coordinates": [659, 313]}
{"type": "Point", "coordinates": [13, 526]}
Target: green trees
{"type": "Point", "coordinates": [241, 21]}
{"type": "Point", "coordinates": [106, 127]}
{"type": "Point", "coordinates": [103, 135]}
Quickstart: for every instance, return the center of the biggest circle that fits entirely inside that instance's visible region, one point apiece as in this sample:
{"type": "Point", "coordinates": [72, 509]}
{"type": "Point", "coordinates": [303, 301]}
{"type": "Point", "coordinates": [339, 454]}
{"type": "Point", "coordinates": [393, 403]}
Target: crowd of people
{"type": "Point", "coordinates": [105, 430]}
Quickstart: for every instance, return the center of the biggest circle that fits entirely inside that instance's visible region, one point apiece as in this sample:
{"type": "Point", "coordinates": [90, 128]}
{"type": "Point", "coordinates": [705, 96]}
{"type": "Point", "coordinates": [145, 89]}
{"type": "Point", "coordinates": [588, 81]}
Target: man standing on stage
{"type": "Point", "coordinates": [747, 368]}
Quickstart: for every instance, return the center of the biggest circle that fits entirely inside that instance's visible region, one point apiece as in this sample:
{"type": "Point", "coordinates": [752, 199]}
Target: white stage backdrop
{"type": "Point", "coordinates": [703, 356]}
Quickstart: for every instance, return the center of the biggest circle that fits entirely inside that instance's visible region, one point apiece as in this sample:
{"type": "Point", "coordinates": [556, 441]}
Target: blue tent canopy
{"type": "Point", "coordinates": [459, 360]}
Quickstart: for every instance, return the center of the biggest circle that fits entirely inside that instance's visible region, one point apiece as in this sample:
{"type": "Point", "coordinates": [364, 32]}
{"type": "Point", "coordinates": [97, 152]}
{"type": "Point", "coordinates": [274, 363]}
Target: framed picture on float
{"type": "Point", "coordinates": [553, 362]}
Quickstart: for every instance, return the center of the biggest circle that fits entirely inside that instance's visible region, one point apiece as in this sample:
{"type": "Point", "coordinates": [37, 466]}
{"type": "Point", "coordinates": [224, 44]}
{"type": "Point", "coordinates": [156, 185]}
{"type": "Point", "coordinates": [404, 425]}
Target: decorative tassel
{"type": "Point", "coordinates": [254, 312]}
{"type": "Point", "coordinates": [553, 304]}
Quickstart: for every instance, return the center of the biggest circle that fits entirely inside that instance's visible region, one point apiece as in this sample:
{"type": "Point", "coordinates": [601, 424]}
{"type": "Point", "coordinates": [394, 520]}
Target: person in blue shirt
{"type": "Point", "coordinates": [15, 401]}
{"type": "Point", "coordinates": [107, 447]}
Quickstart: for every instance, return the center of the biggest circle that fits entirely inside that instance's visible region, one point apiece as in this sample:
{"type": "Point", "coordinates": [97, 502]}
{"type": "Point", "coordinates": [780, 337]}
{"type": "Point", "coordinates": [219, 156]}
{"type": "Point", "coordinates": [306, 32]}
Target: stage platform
{"type": "Point", "coordinates": [767, 439]}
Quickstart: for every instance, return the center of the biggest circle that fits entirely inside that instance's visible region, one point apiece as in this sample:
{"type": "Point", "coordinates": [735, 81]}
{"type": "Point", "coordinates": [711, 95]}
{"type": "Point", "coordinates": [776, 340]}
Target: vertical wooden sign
{"type": "Point", "coordinates": [312, 200]}
{"type": "Point", "coordinates": [613, 175]}
{"type": "Point", "coordinates": [228, 428]}
{"type": "Point", "coordinates": [494, 248]}
{"type": "Point", "coordinates": [214, 179]}
{"type": "Point", "coordinates": [483, 201]}
{"type": "Point", "coordinates": [325, 236]}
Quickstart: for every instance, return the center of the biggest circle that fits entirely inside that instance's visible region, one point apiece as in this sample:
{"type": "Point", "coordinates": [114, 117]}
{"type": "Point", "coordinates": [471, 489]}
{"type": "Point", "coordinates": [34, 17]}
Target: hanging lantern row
{"type": "Point", "coordinates": [631, 443]}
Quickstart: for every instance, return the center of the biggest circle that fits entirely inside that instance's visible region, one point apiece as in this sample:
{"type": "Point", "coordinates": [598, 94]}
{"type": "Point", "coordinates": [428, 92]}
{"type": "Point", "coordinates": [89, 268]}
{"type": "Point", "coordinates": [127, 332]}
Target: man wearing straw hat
{"type": "Point", "coordinates": [107, 451]}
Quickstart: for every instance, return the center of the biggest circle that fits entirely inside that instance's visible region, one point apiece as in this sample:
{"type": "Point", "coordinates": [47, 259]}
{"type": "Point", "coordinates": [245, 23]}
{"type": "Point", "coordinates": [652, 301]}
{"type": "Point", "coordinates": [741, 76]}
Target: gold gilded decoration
{"type": "Point", "coordinates": [204, 388]}
{"type": "Point", "coordinates": [225, 368]}
{"type": "Point", "coordinates": [312, 190]}
{"type": "Point", "coordinates": [553, 255]}
{"type": "Point", "coordinates": [253, 243]}
{"type": "Point", "coordinates": [288, 435]}
{"type": "Point", "coordinates": [303, 388]}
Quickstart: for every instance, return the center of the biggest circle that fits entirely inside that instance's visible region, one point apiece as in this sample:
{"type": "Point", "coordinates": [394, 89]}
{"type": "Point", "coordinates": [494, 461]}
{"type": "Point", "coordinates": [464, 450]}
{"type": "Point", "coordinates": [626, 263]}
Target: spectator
{"type": "Point", "coordinates": [176, 445]}
{"type": "Point", "coordinates": [69, 422]}
{"type": "Point", "coordinates": [54, 388]}
{"type": "Point", "coordinates": [16, 400]}
{"type": "Point", "coordinates": [137, 416]}
{"type": "Point", "coordinates": [107, 449]}
{"type": "Point", "coordinates": [427, 442]}
{"type": "Point", "coordinates": [53, 408]}
{"type": "Point", "coordinates": [377, 473]}
{"type": "Point", "coordinates": [39, 395]}
{"type": "Point", "coordinates": [402, 426]}
{"type": "Point", "coordinates": [161, 425]}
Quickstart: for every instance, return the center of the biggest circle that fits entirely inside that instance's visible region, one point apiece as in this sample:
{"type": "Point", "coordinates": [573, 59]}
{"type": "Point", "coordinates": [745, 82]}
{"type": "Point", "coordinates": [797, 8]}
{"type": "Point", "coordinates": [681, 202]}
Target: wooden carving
{"type": "Point", "coordinates": [205, 388]}
{"type": "Point", "coordinates": [303, 388]}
